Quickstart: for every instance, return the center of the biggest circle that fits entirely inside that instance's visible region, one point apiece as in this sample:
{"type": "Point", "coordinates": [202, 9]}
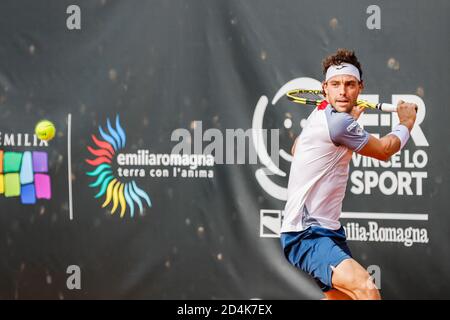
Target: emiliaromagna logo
{"type": "Point", "coordinates": [116, 170]}
{"type": "Point", "coordinates": [115, 192]}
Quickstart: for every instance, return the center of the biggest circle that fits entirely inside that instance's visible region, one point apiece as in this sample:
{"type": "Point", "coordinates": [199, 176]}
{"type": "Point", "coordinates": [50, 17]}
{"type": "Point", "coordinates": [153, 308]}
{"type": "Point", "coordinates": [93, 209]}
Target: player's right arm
{"type": "Point", "coordinates": [382, 149]}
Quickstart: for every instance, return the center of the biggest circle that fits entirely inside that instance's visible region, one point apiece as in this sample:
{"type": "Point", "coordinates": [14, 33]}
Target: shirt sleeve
{"type": "Point", "coordinates": [344, 130]}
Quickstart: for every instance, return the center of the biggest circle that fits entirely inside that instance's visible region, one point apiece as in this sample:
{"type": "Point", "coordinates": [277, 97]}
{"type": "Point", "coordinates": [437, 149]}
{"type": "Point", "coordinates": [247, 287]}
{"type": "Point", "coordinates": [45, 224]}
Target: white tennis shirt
{"type": "Point", "coordinates": [319, 170]}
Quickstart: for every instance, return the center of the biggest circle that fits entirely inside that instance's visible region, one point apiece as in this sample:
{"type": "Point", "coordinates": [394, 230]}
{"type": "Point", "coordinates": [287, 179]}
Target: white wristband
{"type": "Point", "coordinates": [402, 132]}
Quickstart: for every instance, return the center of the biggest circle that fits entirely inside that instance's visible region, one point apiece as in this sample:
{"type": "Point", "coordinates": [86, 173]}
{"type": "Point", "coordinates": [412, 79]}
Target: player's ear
{"type": "Point", "coordinates": [361, 85]}
{"type": "Point", "coordinates": [324, 88]}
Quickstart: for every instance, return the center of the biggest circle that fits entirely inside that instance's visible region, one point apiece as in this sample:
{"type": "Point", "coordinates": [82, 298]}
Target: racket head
{"type": "Point", "coordinates": [306, 96]}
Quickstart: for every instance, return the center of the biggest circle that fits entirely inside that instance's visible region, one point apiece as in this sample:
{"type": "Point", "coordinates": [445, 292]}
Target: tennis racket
{"type": "Point", "coordinates": [315, 97]}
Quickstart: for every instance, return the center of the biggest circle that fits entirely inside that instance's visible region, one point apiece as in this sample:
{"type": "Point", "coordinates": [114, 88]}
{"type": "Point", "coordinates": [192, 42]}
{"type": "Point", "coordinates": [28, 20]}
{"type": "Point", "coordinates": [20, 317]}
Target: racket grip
{"type": "Point", "coordinates": [386, 107]}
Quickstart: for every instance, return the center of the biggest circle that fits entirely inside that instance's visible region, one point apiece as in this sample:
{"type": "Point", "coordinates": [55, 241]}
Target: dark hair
{"type": "Point", "coordinates": [341, 55]}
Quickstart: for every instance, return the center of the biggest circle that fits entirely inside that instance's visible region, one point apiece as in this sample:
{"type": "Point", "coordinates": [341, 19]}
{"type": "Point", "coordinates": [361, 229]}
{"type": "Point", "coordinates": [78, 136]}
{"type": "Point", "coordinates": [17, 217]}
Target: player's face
{"type": "Point", "coordinates": [342, 92]}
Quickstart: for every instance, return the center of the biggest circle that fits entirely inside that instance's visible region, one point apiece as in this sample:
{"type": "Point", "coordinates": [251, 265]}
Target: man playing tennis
{"type": "Point", "coordinates": [312, 237]}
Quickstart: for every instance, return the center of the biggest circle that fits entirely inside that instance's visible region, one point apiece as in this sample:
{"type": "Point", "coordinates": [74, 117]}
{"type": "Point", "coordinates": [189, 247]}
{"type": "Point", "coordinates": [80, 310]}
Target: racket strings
{"type": "Point", "coordinates": [312, 97]}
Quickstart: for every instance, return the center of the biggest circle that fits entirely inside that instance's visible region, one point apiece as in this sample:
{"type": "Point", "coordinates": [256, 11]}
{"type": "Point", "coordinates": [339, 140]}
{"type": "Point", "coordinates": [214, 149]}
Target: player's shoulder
{"type": "Point", "coordinates": [344, 129]}
{"type": "Point", "coordinates": [338, 121]}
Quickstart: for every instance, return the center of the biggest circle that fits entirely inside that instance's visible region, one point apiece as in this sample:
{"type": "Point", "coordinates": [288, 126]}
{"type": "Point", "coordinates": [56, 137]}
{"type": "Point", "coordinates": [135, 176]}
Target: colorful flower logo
{"type": "Point", "coordinates": [124, 194]}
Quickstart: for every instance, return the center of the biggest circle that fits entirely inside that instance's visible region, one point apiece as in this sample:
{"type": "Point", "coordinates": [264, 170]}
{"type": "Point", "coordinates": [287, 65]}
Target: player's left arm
{"type": "Point", "coordinates": [293, 146]}
{"type": "Point", "coordinates": [381, 149]}
{"type": "Point", "coordinates": [384, 148]}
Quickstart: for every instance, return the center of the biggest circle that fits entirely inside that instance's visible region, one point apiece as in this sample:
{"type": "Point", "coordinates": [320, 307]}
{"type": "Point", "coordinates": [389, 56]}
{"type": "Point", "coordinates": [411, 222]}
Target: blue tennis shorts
{"type": "Point", "coordinates": [314, 250]}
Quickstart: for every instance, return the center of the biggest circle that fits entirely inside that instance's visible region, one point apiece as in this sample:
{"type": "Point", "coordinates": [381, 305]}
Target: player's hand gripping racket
{"type": "Point", "coordinates": [315, 97]}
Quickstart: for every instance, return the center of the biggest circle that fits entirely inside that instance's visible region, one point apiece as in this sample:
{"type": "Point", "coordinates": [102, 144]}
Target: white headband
{"type": "Point", "coordinates": [343, 68]}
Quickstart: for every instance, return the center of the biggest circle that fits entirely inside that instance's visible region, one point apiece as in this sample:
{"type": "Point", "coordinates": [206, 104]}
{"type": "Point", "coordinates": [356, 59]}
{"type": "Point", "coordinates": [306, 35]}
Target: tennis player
{"type": "Point", "coordinates": [312, 237]}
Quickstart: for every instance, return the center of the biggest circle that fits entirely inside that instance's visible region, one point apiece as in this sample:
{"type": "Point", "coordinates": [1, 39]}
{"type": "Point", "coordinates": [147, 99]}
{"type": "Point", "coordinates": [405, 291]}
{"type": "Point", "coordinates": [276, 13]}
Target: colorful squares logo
{"type": "Point", "coordinates": [25, 175]}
